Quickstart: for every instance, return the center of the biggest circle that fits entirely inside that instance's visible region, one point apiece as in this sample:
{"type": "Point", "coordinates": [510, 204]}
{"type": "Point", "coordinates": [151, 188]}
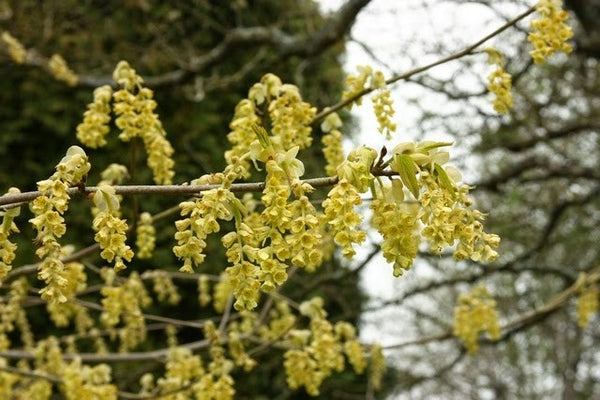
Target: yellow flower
{"type": "Point", "coordinates": [476, 313]}
{"type": "Point", "coordinates": [16, 50]}
{"type": "Point", "coordinates": [92, 131]}
{"type": "Point", "coordinates": [549, 33]}
{"type": "Point", "coordinates": [61, 71]}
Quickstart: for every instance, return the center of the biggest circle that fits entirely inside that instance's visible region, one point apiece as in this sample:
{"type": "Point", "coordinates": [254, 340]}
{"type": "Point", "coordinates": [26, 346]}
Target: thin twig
{"type": "Point", "coordinates": [466, 51]}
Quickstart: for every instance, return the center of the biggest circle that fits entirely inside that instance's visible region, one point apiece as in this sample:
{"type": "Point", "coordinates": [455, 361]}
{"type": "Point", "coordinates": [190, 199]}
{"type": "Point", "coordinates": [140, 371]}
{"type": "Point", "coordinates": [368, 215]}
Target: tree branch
{"type": "Point", "coordinates": [466, 51]}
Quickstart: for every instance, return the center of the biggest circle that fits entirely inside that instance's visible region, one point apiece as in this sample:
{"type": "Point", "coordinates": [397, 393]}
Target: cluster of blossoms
{"type": "Point", "coordinates": [85, 382]}
{"type": "Point", "coordinates": [499, 83]}
{"type": "Point", "coordinates": [281, 104]}
{"type": "Point", "coordinates": [382, 100]}
{"type": "Point", "coordinates": [476, 313]}
{"type": "Point", "coordinates": [587, 303]}
{"type": "Point", "coordinates": [134, 107]}
{"type": "Point", "coordinates": [204, 297]}
{"type": "Point", "coordinates": [14, 314]}
{"type": "Point", "coordinates": [146, 236]}
{"type": "Point", "coordinates": [186, 376]}
{"type": "Point", "coordinates": [549, 33]}
{"type": "Point", "coordinates": [339, 208]}
{"type": "Point", "coordinates": [111, 231]}
{"type": "Point", "coordinates": [62, 313]}
{"type": "Point", "coordinates": [124, 302]}
{"type": "Point", "coordinates": [263, 241]}
{"type": "Point", "coordinates": [163, 286]}
{"type": "Point", "coordinates": [398, 223]}
{"type": "Point", "coordinates": [92, 131]}
{"type": "Point", "coordinates": [201, 220]}
{"type": "Point", "coordinates": [73, 380]}
{"type": "Point", "coordinates": [16, 50]}
{"type": "Point", "coordinates": [279, 229]}
{"type": "Point", "coordinates": [319, 351]}
{"type": "Point", "coordinates": [8, 248]}
{"type": "Point", "coordinates": [377, 366]}
{"type": "Point", "coordinates": [332, 143]}
{"type": "Point", "coordinates": [61, 71]}
{"type": "Point", "coordinates": [49, 223]}
{"type": "Point", "coordinates": [445, 207]}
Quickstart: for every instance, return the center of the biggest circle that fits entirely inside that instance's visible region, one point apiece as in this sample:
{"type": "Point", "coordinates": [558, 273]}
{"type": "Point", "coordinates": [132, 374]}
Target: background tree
{"type": "Point", "coordinates": [536, 177]}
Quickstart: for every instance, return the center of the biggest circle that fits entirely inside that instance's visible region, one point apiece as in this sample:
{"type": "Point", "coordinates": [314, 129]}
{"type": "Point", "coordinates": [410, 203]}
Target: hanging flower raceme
{"type": "Point", "coordinates": [319, 351]}
{"type": "Point", "coordinates": [61, 71]}
{"type": "Point", "coordinates": [398, 224]}
{"type": "Point", "coordinates": [332, 143]}
{"type": "Point", "coordinates": [499, 83]}
{"type": "Point", "coordinates": [134, 107]}
{"type": "Point", "coordinates": [445, 207]}
{"type": "Point", "coordinates": [549, 33]}
{"type": "Point", "coordinates": [92, 131]}
{"type": "Point", "coordinates": [111, 231]}
{"type": "Point", "coordinates": [383, 106]}
{"type": "Point", "coordinates": [8, 226]}
{"type": "Point", "coordinates": [146, 236]}
{"type": "Point", "coordinates": [339, 208]}
{"type": "Point", "coordinates": [124, 303]}
{"type": "Point", "coordinates": [49, 223]}
{"type": "Point", "coordinates": [289, 120]}
{"type": "Point", "coordinates": [16, 50]}
{"type": "Point", "coordinates": [476, 313]}
{"type": "Point", "coordinates": [201, 220]}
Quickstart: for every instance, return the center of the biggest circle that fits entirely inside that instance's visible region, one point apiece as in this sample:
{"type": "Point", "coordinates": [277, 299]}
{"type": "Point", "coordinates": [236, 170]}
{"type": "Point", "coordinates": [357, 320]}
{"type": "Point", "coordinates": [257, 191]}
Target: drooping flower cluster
{"type": "Point", "coordinates": [383, 105]}
{"type": "Point", "coordinates": [204, 297]}
{"type": "Point", "coordinates": [332, 143]}
{"type": "Point", "coordinates": [85, 382]}
{"type": "Point", "coordinates": [13, 314]}
{"type": "Point", "coordinates": [549, 33]}
{"type": "Point", "coordinates": [398, 223]}
{"type": "Point", "coordinates": [163, 286]}
{"type": "Point", "coordinates": [8, 248]}
{"type": "Point", "coordinates": [474, 314]}
{"type": "Point", "coordinates": [124, 303]}
{"type": "Point", "coordinates": [61, 71]}
{"type": "Point", "coordinates": [445, 207]}
{"type": "Point", "coordinates": [354, 178]}
{"type": "Point", "coordinates": [319, 351]}
{"type": "Point", "coordinates": [587, 303]}
{"type": "Point", "coordinates": [342, 218]}
{"type": "Point", "coordinates": [288, 117]}
{"type": "Point", "coordinates": [134, 107]}
{"type": "Point", "coordinates": [61, 313]}
{"type": "Point", "coordinates": [49, 223]}
{"type": "Point", "coordinates": [146, 236]}
{"type": "Point", "coordinates": [16, 50]}
{"type": "Point", "coordinates": [377, 366]}
{"type": "Point", "coordinates": [201, 220]}
{"type": "Point", "coordinates": [92, 131]}
{"type": "Point", "coordinates": [111, 231]}
{"type": "Point", "coordinates": [499, 83]}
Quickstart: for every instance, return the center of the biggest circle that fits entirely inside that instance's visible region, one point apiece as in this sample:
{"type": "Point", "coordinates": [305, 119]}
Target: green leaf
{"type": "Point", "coordinates": [434, 145]}
{"type": "Point", "coordinates": [407, 169]}
{"type": "Point", "coordinates": [443, 178]}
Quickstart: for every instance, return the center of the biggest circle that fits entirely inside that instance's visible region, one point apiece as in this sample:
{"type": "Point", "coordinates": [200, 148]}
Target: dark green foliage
{"type": "Point", "coordinates": [39, 115]}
